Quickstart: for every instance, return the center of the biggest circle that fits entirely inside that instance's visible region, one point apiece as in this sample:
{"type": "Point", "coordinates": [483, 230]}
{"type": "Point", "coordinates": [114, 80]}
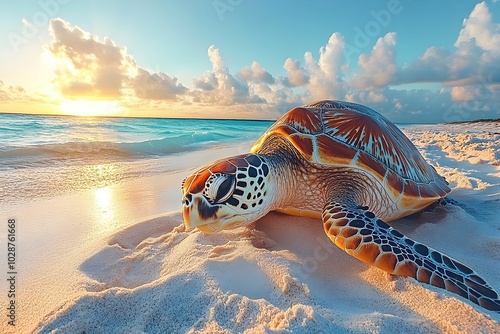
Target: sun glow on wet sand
{"type": "Point", "coordinates": [90, 108]}
{"type": "Point", "coordinates": [104, 203]}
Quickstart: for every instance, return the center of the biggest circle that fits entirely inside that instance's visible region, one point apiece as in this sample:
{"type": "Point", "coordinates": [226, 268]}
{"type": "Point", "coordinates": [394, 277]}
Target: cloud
{"type": "Point", "coordinates": [157, 86]}
{"type": "Point", "coordinates": [429, 67]}
{"type": "Point", "coordinates": [474, 60]}
{"type": "Point", "coordinates": [326, 75]}
{"type": "Point", "coordinates": [206, 82]}
{"type": "Point", "coordinates": [377, 69]}
{"type": "Point", "coordinates": [256, 74]}
{"type": "Point", "coordinates": [366, 97]}
{"type": "Point", "coordinates": [222, 88]}
{"type": "Point", "coordinates": [12, 92]}
{"type": "Point", "coordinates": [87, 67]}
{"type": "Point", "coordinates": [253, 87]}
{"type": "Point", "coordinates": [296, 75]}
{"type": "Point", "coordinates": [462, 93]}
{"type": "Point", "coordinates": [465, 77]}
{"type": "Point", "coordinates": [17, 94]}
{"type": "Point", "coordinates": [478, 47]}
{"type": "Point", "coordinates": [374, 97]}
{"type": "Point", "coordinates": [480, 29]}
{"type": "Point", "coordinates": [4, 96]}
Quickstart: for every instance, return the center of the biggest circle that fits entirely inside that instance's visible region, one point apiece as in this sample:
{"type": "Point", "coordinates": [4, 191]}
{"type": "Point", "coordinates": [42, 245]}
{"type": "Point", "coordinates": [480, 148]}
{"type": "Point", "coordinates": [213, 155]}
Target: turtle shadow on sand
{"type": "Point", "coordinates": [277, 275]}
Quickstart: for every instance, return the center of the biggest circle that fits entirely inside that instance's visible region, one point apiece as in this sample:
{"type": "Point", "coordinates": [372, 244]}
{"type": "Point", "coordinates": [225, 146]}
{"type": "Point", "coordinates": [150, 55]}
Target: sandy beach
{"type": "Point", "coordinates": [118, 259]}
{"type": "Point", "coordinates": [106, 107]}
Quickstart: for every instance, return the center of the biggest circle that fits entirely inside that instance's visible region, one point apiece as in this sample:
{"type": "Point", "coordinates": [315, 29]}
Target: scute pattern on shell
{"type": "Point", "coordinates": [336, 132]}
{"type": "Point", "coordinates": [362, 128]}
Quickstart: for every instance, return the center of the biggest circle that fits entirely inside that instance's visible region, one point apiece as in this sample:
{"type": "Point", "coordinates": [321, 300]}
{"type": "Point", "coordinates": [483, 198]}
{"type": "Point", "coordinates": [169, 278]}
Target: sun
{"type": "Point", "coordinates": [89, 108]}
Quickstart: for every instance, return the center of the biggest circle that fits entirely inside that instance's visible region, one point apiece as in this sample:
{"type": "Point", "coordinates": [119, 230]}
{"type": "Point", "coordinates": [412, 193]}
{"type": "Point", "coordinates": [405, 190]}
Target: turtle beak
{"type": "Point", "coordinates": [189, 212]}
{"type": "Point", "coordinates": [207, 217]}
{"type": "Point", "coordinates": [197, 211]}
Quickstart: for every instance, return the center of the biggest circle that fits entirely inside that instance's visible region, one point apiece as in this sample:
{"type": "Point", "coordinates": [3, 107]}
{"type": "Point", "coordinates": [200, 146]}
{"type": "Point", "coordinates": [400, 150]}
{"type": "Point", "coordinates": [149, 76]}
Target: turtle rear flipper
{"type": "Point", "coordinates": [361, 234]}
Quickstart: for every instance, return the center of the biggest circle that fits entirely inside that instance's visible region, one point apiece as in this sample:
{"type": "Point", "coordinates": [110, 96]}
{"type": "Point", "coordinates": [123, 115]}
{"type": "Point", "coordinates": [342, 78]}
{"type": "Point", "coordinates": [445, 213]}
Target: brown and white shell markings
{"type": "Point", "coordinates": [345, 164]}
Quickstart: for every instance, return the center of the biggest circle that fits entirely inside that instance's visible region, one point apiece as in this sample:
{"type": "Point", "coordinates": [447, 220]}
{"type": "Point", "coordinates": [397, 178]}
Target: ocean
{"type": "Point", "coordinates": [44, 156]}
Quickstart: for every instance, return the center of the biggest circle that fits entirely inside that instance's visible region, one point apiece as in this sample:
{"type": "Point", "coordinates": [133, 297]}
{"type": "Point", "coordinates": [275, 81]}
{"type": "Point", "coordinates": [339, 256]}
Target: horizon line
{"type": "Point", "coordinates": [149, 117]}
{"type": "Point", "coordinates": [219, 119]}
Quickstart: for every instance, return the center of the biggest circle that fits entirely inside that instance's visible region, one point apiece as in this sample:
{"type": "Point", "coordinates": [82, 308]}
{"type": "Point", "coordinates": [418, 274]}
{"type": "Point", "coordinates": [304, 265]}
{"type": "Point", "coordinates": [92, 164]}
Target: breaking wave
{"type": "Point", "coordinates": [154, 147]}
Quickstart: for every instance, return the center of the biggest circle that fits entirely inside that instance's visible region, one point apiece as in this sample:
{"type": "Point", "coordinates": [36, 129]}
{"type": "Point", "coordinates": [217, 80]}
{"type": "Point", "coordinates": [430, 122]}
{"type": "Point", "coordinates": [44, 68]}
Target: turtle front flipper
{"type": "Point", "coordinates": [358, 232]}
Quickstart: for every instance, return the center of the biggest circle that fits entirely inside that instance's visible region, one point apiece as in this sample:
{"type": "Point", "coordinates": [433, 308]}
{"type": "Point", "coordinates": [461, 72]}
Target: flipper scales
{"type": "Point", "coordinates": [361, 234]}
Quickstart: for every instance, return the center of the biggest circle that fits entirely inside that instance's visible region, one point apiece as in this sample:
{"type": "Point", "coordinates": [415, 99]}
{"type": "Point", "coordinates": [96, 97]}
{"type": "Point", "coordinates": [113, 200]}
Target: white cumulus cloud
{"type": "Point", "coordinates": [377, 69]}
{"type": "Point", "coordinates": [326, 75]}
{"type": "Point", "coordinates": [220, 87]}
{"type": "Point", "coordinates": [474, 61]}
{"type": "Point", "coordinates": [87, 67]}
{"type": "Point", "coordinates": [478, 27]}
{"type": "Point", "coordinates": [156, 86]}
{"type": "Point", "coordinates": [467, 76]}
{"type": "Point", "coordinates": [296, 75]}
{"type": "Point", "coordinates": [256, 74]}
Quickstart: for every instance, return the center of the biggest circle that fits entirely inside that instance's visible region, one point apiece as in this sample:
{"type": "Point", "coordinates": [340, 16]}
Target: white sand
{"type": "Point", "coordinates": [122, 265]}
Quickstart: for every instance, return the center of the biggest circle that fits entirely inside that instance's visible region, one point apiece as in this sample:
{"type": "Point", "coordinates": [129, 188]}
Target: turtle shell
{"type": "Point", "coordinates": [336, 133]}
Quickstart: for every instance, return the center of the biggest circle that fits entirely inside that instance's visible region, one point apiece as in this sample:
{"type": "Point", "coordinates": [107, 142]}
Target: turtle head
{"type": "Point", "coordinates": [230, 192]}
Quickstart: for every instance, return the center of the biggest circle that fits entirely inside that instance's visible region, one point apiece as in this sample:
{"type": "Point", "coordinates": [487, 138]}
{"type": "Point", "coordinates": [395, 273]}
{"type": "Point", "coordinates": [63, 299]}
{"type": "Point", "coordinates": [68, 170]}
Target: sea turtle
{"type": "Point", "coordinates": [348, 165]}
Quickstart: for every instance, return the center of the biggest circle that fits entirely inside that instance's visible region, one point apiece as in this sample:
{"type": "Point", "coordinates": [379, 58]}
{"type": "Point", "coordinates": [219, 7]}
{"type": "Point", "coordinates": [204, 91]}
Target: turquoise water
{"type": "Point", "coordinates": [26, 138]}
{"type": "Point", "coordinates": [47, 155]}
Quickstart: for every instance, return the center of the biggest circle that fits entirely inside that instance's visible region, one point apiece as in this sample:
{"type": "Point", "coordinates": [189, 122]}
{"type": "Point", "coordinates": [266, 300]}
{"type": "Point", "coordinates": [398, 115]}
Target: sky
{"type": "Point", "coordinates": [413, 61]}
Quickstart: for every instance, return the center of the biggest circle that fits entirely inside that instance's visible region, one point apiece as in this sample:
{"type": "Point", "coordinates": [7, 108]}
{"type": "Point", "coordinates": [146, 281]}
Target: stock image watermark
{"type": "Point", "coordinates": [31, 26]}
{"type": "Point", "coordinates": [372, 29]}
{"type": "Point", "coordinates": [364, 36]}
{"type": "Point", "coordinates": [480, 93]}
{"type": "Point", "coordinates": [11, 272]}
{"type": "Point", "coordinates": [223, 6]}
{"type": "Point", "coordinates": [323, 251]}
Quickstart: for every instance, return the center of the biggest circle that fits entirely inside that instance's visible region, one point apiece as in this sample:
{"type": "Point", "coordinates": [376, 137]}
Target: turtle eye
{"type": "Point", "coordinates": [220, 187]}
